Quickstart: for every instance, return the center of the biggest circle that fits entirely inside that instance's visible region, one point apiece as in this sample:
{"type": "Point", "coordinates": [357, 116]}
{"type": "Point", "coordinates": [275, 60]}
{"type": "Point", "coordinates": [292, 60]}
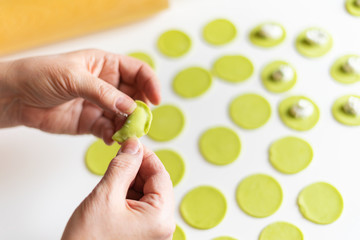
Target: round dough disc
{"type": "Point", "coordinates": [270, 84]}
{"type": "Point", "coordinates": [219, 32]}
{"type": "Point", "coordinates": [259, 195]}
{"type": "Point", "coordinates": [290, 155]}
{"type": "Point", "coordinates": [265, 42]}
{"type": "Point", "coordinates": [352, 8]}
{"type": "Point", "coordinates": [312, 51]}
{"type": "Point", "coordinates": [143, 57]}
{"type": "Point", "coordinates": [300, 124]}
{"type": "Point", "coordinates": [224, 238]}
{"type": "Point", "coordinates": [99, 155]}
{"type": "Point", "coordinates": [192, 82]}
{"type": "Point", "coordinates": [203, 207]}
{"type": "Point", "coordinates": [341, 116]}
{"type": "Point", "coordinates": [320, 203]}
{"type": "Point", "coordinates": [233, 68]}
{"type": "Point", "coordinates": [173, 163]}
{"type": "Point", "coordinates": [281, 231]}
{"type": "Point", "coordinates": [179, 234]}
{"type": "Point", "coordinates": [339, 75]}
{"type": "Point", "coordinates": [168, 122]}
{"type": "Point", "coordinates": [220, 145]}
{"type": "Point", "coordinates": [174, 43]}
{"type": "Point", "coordinates": [250, 111]}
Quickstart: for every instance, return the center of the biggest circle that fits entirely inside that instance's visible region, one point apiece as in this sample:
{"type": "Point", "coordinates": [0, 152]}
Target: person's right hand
{"type": "Point", "coordinates": [134, 200]}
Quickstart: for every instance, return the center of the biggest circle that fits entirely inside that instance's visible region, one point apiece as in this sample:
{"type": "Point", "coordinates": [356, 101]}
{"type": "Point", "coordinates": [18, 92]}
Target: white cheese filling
{"type": "Point", "coordinates": [352, 65]}
{"type": "Point", "coordinates": [283, 74]}
{"type": "Point", "coordinates": [316, 37]}
{"type": "Point", "coordinates": [270, 30]}
{"type": "Point", "coordinates": [302, 109]}
{"type": "Point", "coordinates": [352, 106]}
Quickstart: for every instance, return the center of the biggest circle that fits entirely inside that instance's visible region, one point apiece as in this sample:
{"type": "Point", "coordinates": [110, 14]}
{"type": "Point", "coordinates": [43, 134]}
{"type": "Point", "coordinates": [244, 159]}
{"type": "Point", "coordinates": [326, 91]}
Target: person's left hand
{"type": "Point", "coordinates": [74, 93]}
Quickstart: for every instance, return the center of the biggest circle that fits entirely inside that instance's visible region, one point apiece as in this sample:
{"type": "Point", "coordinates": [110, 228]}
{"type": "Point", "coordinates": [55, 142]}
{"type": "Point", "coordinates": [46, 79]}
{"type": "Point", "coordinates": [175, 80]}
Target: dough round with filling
{"type": "Point", "coordinates": [260, 41]}
{"type": "Point", "coordinates": [220, 145]}
{"type": "Point", "coordinates": [203, 207]}
{"type": "Point", "coordinates": [309, 50]}
{"type": "Point", "coordinates": [277, 86]}
{"type": "Point", "coordinates": [320, 203]}
{"type": "Point", "coordinates": [143, 57]}
{"type": "Point", "coordinates": [352, 8]}
{"type": "Point", "coordinates": [281, 231]}
{"type": "Point", "coordinates": [179, 234]}
{"type": "Point", "coordinates": [339, 75]}
{"type": "Point", "coordinates": [233, 68]}
{"type": "Point", "coordinates": [174, 43]}
{"type": "Point", "coordinates": [259, 195]}
{"type": "Point", "coordinates": [219, 32]}
{"type": "Point", "coordinates": [173, 163]}
{"type": "Point", "coordinates": [341, 116]}
{"type": "Point", "coordinates": [192, 82]}
{"type": "Point", "coordinates": [250, 111]}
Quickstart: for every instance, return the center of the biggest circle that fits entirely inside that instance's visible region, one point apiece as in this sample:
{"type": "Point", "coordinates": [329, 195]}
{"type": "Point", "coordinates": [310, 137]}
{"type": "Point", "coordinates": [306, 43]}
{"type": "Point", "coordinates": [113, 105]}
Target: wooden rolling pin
{"type": "Point", "coordinates": [25, 24]}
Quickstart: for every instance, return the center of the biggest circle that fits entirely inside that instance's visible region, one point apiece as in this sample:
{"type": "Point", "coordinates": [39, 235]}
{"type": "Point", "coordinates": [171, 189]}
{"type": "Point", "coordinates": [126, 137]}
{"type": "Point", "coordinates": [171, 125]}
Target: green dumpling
{"type": "Point", "coordinates": [136, 125]}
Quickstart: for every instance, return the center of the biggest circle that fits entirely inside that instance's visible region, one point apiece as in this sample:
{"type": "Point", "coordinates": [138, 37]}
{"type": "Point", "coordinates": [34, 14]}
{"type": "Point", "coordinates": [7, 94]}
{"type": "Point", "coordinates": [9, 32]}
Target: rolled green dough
{"type": "Point", "coordinates": [173, 163]}
{"type": "Point", "coordinates": [273, 86]}
{"type": "Point", "coordinates": [352, 8]}
{"type": "Point", "coordinates": [290, 155]}
{"type": "Point", "coordinates": [320, 203]}
{"type": "Point", "coordinates": [220, 145]}
{"type": "Point", "coordinates": [281, 231]}
{"type": "Point", "coordinates": [233, 68]}
{"type": "Point", "coordinates": [174, 43]}
{"type": "Point", "coordinates": [179, 234]}
{"type": "Point", "coordinates": [203, 207]}
{"type": "Point", "coordinates": [265, 42]}
{"type": "Point", "coordinates": [250, 111]}
{"type": "Point", "coordinates": [312, 51]}
{"type": "Point", "coordinates": [339, 75]}
{"type": "Point", "coordinates": [341, 116]}
{"type": "Point", "coordinates": [219, 32]}
{"type": "Point", "coordinates": [259, 195]}
{"type": "Point", "coordinates": [192, 82]}
{"type": "Point", "coordinates": [143, 57]}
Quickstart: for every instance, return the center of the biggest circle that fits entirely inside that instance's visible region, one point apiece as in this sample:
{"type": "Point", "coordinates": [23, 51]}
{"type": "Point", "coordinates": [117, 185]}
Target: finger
{"type": "Point", "coordinates": [89, 114]}
{"type": "Point", "coordinates": [103, 128]}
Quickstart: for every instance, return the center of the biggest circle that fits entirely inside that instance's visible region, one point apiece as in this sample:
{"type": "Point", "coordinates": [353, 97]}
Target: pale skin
{"type": "Point", "coordinates": [91, 92]}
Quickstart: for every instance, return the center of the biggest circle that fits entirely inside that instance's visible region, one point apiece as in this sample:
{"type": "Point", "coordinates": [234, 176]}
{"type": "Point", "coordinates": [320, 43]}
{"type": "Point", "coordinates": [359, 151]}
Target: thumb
{"type": "Point", "coordinates": [124, 167]}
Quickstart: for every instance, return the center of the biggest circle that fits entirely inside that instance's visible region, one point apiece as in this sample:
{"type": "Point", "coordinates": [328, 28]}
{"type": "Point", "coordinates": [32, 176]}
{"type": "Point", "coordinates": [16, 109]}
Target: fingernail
{"type": "Point", "coordinates": [121, 105]}
{"type": "Point", "coordinates": [130, 146]}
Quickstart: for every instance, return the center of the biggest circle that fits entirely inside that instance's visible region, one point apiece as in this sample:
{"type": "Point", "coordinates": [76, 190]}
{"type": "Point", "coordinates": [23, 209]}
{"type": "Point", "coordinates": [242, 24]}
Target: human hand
{"type": "Point", "coordinates": [134, 200]}
{"type": "Point", "coordinates": [74, 93]}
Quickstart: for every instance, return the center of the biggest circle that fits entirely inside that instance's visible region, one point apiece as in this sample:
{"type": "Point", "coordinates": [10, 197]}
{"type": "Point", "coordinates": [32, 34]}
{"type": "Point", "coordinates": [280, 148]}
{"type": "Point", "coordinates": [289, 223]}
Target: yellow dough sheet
{"type": "Point", "coordinates": [25, 24]}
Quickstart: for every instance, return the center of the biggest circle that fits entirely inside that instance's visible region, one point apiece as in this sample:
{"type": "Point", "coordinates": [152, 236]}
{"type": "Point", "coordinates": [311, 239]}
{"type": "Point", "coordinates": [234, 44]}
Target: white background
{"type": "Point", "coordinates": [43, 177]}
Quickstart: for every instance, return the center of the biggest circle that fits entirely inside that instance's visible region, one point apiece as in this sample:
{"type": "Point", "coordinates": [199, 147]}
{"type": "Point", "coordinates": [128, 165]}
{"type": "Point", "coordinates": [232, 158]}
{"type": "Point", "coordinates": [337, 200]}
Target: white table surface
{"type": "Point", "coordinates": [43, 177]}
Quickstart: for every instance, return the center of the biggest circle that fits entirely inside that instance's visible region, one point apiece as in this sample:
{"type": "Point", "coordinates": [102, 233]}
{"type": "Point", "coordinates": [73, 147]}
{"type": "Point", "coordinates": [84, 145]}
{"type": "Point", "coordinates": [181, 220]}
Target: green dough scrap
{"type": "Point", "coordinates": [298, 123]}
{"type": "Point", "coordinates": [173, 163]}
{"type": "Point", "coordinates": [174, 43]}
{"type": "Point", "coordinates": [168, 122]}
{"type": "Point", "coordinates": [270, 84]}
{"type": "Point", "coordinates": [259, 195]}
{"type": "Point", "coordinates": [136, 125]}
{"type": "Point", "coordinates": [250, 111]}
{"type": "Point", "coordinates": [281, 231]}
{"type": "Point", "coordinates": [312, 51]}
{"type": "Point", "coordinates": [179, 234]}
{"type": "Point", "coordinates": [341, 116]}
{"type": "Point", "coordinates": [265, 42]}
{"type": "Point", "coordinates": [99, 155]}
{"type": "Point", "coordinates": [320, 203]}
{"type": "Point", "coordinates": [143, 57]}
{"type": "Point", "coordinates": [233, 68]}
{"type": "Point", "coordinates": [352, 8]}
{"type": "Point", "coordinates": [192, 82]}
{"type": "Point", "coordinates": [204, 207]}
{"type": "Point", "coordinates": [220, 145]}
{"type": "Point", "coordinates": [224, 238]}
{"type": "Point", "coordinates": [219, 32]}
{"type": "Point", "coordinates": [339, 75]}
{"type": "Point", "coordinates": [290, 155]}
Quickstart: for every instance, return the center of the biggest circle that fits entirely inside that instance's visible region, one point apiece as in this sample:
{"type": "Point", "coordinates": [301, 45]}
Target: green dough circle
{"type": "Point", "coordinates": [259, 195]}
{"type": "Point", "coordinates": [300, 124]}
{"type": "Point", "coordinates": [143, 57]}
{"type": "Point", "coordinates": [224, 238]}
{"type": "Point", "coordinates": [339, 75]}
{"type": "Point", "coordinates": [99, 155]}
{"type": "Point", "coordinates": [220, 145]}
{"type": "Point", "coordinates": [174, 43]}
{"type": "Point", "coordinates": [203, 207]}
{"type": "Point", "coordinates": [281, 231]}
{"type": "Point", "coordinates": [233, 68]}
{"type": "Point", "coordinates": [250, 111]}
{"type": "Point", "coordinates": [179, 234]}
{"type": "Point", "coordinates": [290, 154]}
{"type": "Point", "coordinates": [352, 8]}
{"type": "Point", "coordinates": [168, 122]}
{"type": "Point", "coordinates": [273, 86]}
{"type": "Point", "coordinates": [219, 32]}
{"type": "Point", "coordinates": [312, 51]}
{"type": "Point", "coordinates": [341, 116]}
{"type": "Point", "coordinates": [173, 163]}
{"type": "Point", "coordinates": [192, 82]}
{"type": "Point", "coordinates": [265, 42]}
{"type": "Point", "coordinates": [320, 203]}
